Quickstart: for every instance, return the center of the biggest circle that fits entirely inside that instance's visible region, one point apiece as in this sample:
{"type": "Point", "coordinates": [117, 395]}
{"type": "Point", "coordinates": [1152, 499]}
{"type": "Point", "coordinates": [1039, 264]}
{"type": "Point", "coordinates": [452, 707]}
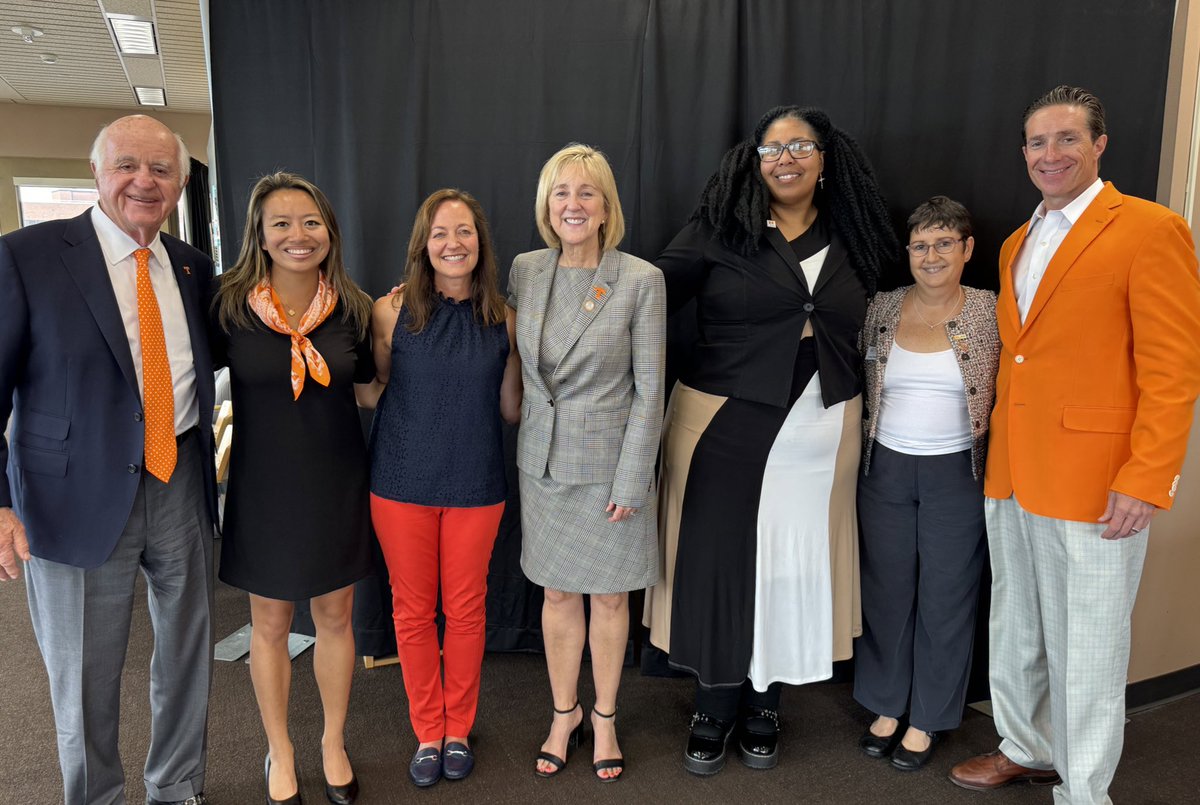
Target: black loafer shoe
{"type": "Point", "coordinates": [457, 761]}
{"type": "Point", "coordinates": [705, 753]}
{"type": "Point", "coordinates": [425, 768]}
{"type": "Point", "coordinates": [880, 746]}
{"type": "Point", "coordinates": [908, 760]}
{"type": "Point", "coordinates": [759, 743]}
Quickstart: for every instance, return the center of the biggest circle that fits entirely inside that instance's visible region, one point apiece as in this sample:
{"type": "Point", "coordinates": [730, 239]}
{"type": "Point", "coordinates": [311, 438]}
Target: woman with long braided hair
{"type": "Point", "coordinates": [762, 438]}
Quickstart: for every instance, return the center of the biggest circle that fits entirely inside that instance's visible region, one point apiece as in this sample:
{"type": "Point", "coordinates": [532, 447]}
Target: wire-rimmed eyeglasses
{"type": "Point", "coordinates": [941, 246]}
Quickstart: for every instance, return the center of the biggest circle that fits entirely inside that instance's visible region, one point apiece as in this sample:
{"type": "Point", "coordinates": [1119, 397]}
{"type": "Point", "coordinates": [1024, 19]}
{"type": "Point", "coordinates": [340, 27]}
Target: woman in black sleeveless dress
{"type": "Point", "coordinates": [293, 328]}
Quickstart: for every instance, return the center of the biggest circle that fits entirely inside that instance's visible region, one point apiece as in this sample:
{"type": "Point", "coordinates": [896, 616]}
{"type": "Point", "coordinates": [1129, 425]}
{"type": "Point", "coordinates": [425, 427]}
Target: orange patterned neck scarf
{"type": "Point", "coordinates": [265, 302]}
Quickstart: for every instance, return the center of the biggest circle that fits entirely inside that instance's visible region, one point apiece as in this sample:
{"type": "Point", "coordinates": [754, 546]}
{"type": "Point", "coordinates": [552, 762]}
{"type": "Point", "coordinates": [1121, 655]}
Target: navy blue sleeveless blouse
{"type": "Point", "coordinates": [437, 437]}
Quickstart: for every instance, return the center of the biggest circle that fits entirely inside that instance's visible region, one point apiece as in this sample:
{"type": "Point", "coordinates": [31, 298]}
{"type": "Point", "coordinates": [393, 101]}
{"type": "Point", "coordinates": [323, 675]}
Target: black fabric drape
{"type": "Point", "coordinates": [199, 205]}
{"type": "Point", "coordinates": [380, 103]}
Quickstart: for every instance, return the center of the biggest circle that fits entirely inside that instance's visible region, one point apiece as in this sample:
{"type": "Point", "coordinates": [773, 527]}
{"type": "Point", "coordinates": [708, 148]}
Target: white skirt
{"type": "Point", "coordinates": [793, 595]}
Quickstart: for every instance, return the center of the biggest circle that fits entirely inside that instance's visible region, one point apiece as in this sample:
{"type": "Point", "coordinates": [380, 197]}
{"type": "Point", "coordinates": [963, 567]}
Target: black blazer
{"type": "Point", "coordinates": [751, 313]}
{"type": "Point", "coordinates": [67, 376]}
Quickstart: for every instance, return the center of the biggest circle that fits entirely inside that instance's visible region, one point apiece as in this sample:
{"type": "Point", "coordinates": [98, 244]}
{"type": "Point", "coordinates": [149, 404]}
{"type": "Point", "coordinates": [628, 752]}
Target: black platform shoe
{"type": "Point", "coordinates": [758, 744]}
{"type": "Point", "coordinates": [705, 753]}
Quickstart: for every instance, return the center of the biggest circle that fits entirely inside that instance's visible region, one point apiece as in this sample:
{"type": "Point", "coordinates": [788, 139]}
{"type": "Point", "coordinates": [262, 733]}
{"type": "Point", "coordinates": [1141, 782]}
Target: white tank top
{"type": "Point", "coordinates": [922, 408]}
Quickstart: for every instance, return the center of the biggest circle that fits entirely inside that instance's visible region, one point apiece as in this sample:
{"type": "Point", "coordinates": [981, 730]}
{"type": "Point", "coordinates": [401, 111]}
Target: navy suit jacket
{"type": "Point", "coordinates": [67, 378]}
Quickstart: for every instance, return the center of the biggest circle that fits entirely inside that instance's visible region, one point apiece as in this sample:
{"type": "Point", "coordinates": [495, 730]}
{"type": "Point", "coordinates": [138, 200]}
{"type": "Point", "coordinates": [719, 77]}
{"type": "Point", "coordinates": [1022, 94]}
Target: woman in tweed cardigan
{"type": "Point", "coordinates": [929, 353]}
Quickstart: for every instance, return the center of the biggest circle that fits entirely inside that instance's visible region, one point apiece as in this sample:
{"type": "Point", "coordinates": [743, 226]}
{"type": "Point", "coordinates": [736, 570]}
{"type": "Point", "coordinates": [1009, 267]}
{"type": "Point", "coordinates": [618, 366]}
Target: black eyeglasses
{"type": "Point", "coordinates": [799, 149]}
{"type": "Point", "coordinates": [941, 246]}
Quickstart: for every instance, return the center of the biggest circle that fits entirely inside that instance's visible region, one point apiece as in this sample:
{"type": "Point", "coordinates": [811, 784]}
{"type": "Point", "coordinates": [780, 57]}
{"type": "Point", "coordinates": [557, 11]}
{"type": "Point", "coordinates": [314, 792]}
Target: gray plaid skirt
{"type": "Point", "coordinates": [569, 545]}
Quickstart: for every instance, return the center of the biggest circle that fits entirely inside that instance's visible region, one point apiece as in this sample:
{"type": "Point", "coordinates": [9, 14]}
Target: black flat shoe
{"type": "Point", "coordinates": [617, 763]}
{"type": "Point", "coordinates": [908, 760]}
{"type": "Point", "coordinates": [758, 745]}
{"type": "Point", "coordinates": [457, 761]}
{"type": "Point", "coordinates": [880, 746]}
{"type": "Point", "coordinates": [705, 753]}
{"type": "Point", "coordinates": [425, 768]}
{"type": "Point", "coordinates": [573, 741]}
{"type": "Point", "coordinates": [294, 799]}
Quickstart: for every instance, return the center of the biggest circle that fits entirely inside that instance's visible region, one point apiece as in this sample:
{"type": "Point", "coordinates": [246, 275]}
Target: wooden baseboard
{"type": "Point", "coordinates": [376, 662]}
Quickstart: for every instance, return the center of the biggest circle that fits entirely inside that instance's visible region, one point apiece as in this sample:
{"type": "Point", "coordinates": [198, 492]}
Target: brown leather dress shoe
{"type": "Point", "coordinates": [993, 770]}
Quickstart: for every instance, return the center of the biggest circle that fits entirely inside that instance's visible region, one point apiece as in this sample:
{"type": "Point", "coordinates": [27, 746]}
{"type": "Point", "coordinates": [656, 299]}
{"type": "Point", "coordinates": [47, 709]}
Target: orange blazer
{"type": "Point", "coordinates": [1096, 390]}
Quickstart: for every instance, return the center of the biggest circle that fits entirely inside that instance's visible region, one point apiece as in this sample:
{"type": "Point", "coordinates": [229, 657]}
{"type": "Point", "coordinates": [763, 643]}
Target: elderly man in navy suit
{"type": "Point", "coordinates": [105, 369]}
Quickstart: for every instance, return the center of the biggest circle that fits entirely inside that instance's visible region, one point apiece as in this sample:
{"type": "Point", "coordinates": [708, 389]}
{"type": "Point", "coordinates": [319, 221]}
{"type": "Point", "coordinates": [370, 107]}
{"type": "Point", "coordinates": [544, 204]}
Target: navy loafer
{"type": "Point", "coordinates": [425, 769]}
{"type": "Point", "coordinates": [457, 761]}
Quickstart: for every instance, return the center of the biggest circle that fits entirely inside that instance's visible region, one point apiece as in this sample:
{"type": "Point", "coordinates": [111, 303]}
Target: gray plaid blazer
{"type": "Point", "coordinates": [602, 424]}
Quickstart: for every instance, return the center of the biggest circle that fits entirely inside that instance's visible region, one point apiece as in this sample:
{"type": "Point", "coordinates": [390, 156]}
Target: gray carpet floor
{"type": "Point", "coordinates": [820, 760]}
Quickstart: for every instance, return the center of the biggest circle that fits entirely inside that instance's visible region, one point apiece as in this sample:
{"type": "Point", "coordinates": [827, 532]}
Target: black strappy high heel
{"type": "Point", "coordinates": [573, 742]}
{"type": "Point", "coordinates": [617, 763]}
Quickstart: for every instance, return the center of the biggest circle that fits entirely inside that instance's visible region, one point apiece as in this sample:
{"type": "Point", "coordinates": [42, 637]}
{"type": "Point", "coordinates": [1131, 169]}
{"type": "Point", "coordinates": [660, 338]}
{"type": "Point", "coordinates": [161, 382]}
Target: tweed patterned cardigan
{"type": "Point", "coordinates": [975, 340]}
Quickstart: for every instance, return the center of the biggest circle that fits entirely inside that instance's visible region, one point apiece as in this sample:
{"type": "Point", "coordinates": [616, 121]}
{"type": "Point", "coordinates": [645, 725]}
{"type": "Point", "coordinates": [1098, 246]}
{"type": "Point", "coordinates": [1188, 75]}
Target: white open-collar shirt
{"type": "Point", "coordinates": [118, 248]}
{"type": "Point", "coordinates": [1047, 230]}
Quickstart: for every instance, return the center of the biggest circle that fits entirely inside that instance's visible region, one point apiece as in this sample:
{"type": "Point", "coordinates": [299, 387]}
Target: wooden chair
{"type": "Point", "coordinates": [223, 450]}
{"type": "Point", "coordinates": [222, 419]}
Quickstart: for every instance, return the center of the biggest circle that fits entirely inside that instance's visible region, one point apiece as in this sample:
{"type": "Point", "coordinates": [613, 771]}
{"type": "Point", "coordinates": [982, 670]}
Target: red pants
{"type": "Point", "coordinates": [421, 544]}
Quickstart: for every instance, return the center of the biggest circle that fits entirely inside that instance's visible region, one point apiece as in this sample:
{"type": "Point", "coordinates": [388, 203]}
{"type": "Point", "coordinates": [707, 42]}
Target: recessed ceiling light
{"type": "Point", "coordinates": [49, 58]}
{"type": "Point", "coordinates": [26, 32]}
{"type": "Point", "coordinates": [151, 96]}
{"type": "Point", "coordinates": [135, 35]}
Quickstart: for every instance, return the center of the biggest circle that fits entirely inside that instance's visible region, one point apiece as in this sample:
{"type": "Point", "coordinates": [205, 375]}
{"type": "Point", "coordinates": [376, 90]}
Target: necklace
{"type": "Point", "coordinates": [953, 310]}
{"type": "Point", "coordinates": [291, 310]}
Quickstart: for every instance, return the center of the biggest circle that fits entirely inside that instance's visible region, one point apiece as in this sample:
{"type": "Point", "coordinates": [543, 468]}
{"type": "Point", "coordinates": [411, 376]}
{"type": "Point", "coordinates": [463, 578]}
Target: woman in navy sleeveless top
{"type": "Point", "coordinates": [444, 346]}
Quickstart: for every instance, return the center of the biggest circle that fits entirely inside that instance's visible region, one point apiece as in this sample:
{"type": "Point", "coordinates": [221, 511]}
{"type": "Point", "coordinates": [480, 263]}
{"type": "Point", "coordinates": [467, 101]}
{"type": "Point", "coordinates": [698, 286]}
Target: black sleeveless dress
{"type": "Point", "coordinates": [297, 517]}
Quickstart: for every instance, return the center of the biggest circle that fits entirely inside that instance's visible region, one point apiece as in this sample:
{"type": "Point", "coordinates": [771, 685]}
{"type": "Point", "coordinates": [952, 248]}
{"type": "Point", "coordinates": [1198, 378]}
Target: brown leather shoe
{"type": "Point", "coordinates": [993, 770]}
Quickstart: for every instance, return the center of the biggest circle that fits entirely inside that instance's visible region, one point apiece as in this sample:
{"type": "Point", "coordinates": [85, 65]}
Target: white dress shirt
{"type": "Point", "coordinates": [118, 249]}
{"type": "Point", "coordinates": [1046, 232]}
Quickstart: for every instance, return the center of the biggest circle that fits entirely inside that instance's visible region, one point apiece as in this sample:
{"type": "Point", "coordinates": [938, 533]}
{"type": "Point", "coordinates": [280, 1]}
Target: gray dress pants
{"type": "Point", "coordinates": [81, 620]}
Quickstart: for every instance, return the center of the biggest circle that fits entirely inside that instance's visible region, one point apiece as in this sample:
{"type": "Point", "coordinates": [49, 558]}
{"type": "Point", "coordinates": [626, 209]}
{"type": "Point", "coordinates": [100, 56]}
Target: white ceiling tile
{"type": "Point", "coordinates": [89, 71]}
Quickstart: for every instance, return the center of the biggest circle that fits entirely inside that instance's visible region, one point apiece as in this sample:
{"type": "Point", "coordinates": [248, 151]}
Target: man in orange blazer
{"type": "Point", "coordinates": [1099, 315]}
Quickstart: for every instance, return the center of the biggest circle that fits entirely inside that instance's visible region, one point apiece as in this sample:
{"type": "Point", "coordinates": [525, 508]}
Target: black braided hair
{"type": "Point", "coordinates": [735, 202]}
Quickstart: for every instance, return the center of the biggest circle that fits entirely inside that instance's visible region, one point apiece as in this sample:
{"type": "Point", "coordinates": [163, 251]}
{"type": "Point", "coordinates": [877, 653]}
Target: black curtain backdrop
{"type": "Point", "coordinates": [199, 204]}
{"type": "Point", "coordinates": [382, 102]}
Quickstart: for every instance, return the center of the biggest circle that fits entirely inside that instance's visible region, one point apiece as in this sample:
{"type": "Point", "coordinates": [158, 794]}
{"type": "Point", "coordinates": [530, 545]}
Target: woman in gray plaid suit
{"type": "Point", "coordinates": [591, 334]}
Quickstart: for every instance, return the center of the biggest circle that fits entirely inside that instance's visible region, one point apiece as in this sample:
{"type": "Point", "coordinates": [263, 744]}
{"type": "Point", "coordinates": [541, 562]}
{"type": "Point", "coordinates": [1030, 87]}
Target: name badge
{"type": "Point", "coordinates": [872, 353]}
{"type": "Point", "coordinates": [771, 224]}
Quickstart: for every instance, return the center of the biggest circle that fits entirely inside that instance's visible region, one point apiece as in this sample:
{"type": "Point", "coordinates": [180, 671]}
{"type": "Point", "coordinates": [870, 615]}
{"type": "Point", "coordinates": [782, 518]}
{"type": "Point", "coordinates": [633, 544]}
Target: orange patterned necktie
{"type": "Point", "coordinates": [157, 390]}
